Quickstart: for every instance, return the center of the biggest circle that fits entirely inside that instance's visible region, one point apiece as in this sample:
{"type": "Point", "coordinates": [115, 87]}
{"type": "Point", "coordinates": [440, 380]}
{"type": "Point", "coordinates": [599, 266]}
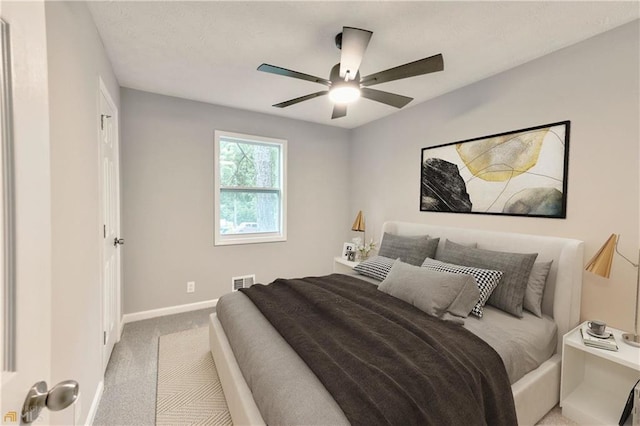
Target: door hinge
{"type": "Point", "coordinates": [102, 117]}
{"type": "Point", "coordinates": [104, 231]}
{"type": "Point", "coordinates": [104, 337]}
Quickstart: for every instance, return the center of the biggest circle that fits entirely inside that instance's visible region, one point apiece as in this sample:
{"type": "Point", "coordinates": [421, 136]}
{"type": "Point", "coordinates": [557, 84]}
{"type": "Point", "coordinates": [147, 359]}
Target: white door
{"type": "Point", "coordinates": [111, 227]}
{"type": "Point", "coordinates": [31, 205]}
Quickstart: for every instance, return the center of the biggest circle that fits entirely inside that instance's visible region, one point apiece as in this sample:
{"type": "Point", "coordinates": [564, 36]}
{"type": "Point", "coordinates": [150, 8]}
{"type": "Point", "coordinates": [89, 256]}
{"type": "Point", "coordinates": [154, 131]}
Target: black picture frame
{"type": "Point", "coordinates": [517, 173]}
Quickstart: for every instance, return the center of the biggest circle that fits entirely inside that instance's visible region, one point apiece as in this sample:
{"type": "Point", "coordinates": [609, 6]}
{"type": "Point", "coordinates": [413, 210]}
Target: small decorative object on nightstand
{"type": "Point", "coordinates": [595, 383]}
{"type": "Point", "coordinates": [349, 251]}
{"type": "Point", "coordinates": [363, 249]}
{"type": "Point", "coordinates": [600, 264]}
{"type": "Point", "coordinates": [604, 340]}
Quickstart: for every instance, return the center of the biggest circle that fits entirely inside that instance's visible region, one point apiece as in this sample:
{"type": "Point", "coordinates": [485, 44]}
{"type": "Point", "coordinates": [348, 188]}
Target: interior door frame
{"type": "Point", "coordinates": [104, 91]}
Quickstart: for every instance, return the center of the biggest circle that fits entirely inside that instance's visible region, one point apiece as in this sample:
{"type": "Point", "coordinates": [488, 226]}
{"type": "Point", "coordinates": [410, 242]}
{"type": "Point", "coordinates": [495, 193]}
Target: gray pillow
{"type": "Point", "coordinates": [375, 267]}
{"type": "Point", "coordinates": [412, 250]}
{"type": "Point", "coordinates": [535, 287]}
{"type": "Point", "coordinates": [516, 268]}
{"type": "Point", "coordinates": [486, 280]}
{"type": "Point", "coordinates": [435, 293]}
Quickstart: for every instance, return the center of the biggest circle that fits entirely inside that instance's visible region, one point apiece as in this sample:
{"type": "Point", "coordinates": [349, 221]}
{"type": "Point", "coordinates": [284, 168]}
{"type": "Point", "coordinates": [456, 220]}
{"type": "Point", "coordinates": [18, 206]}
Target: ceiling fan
{"type": "Point", "coordinates": [345, 84]}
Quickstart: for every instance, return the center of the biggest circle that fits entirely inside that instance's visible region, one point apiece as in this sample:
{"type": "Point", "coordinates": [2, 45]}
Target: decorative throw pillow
{"type": "Point", "coordinates": [435, 293]}
{"type": "Point", "coordinates": [375, 267]}
{"type": "Point", "coordinates": [440, 246]}
{"type": "Point", "coordinates": [516, 268]}
{"type": "Point", "coordinates": [412, 250]}
{"type": "Point", "coordinates": [535, 287]}
{"type": "Point", "coordinates": [485, 279]}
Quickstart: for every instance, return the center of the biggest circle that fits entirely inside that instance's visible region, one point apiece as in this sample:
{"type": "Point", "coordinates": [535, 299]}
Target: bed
{"type": "Point", "coordinates": [535, 392]}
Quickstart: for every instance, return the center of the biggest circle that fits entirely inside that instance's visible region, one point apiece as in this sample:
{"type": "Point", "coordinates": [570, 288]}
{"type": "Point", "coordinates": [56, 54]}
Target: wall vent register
{"type": "Point", "coordinates": [242, 282]}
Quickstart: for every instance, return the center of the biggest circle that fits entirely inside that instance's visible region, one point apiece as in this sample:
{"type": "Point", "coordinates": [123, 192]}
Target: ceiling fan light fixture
{"type": "Point", "coordinates": [344, 93]}
{"type": "Point", "coordinates": [345, 85]}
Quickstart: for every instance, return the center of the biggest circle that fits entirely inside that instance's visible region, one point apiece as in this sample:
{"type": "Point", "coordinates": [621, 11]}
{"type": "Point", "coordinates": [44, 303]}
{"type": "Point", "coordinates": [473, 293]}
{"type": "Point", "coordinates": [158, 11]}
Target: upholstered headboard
{"type": "Point", "coordinates": [561, 299]}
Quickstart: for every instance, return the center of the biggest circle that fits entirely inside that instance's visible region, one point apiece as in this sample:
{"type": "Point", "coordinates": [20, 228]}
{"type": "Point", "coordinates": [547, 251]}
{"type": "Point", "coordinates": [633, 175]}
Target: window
{"type": "Point", "coordinates": [250, 199]}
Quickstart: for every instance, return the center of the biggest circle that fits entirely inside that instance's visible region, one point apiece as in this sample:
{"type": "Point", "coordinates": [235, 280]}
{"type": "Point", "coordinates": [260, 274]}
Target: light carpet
{"type": "Point", "coordinates": [189, 390]}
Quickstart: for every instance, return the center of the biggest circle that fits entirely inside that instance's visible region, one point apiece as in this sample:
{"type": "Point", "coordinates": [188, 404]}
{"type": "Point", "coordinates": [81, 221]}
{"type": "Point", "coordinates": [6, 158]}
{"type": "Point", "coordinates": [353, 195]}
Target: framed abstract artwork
{"type": "Point", "coordinates": [516, 173]}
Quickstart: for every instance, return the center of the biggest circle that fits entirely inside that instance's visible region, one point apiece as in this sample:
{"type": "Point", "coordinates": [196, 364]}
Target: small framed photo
{"type": "Point", "coordinates": [349, 251]}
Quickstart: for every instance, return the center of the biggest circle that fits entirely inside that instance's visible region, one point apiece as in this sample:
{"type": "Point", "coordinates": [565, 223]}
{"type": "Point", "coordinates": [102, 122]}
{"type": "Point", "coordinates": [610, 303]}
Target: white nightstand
{"type": "Point", "coordinates": [342, 266]}
{"type": "Point", "coordinates": [595, 382]}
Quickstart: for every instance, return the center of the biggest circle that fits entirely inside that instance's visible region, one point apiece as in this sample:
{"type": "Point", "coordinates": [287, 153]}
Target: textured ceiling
{"type": "Point", "coordinates": [209, 51]}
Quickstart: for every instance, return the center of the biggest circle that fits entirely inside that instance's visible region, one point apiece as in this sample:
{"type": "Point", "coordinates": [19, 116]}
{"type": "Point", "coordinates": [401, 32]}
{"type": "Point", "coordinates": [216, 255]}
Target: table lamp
{"type": "Point", "coordinates": [358, 225]}
{"type": "Point", "coordinates": [601, 263]}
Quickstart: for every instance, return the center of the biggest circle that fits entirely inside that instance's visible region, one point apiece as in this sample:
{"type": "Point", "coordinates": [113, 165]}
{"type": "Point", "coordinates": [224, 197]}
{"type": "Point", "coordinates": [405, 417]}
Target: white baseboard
{"type": "Point", "coordinates": [120, 329]}
{"type": "Point", "coordinates": [94, 404]}
{"type": "Point", "coordinates": [153, 313]}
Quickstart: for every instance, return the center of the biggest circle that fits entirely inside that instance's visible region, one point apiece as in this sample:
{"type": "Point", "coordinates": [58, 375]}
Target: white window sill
{"type": "Point", "coordinates": [248, 239]}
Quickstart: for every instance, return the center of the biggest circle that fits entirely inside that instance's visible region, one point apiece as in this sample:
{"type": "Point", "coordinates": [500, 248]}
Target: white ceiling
{"type": "Point", "coordinates": [209, 51]}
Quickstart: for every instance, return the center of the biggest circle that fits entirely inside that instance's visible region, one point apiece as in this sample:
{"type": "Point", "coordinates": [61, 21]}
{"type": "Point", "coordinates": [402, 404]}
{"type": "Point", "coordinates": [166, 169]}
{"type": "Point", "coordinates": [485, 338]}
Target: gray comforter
{"type": "Point", "coordinates": [384, 361]}
{"type": "Point", "coordinates": [288, 393]}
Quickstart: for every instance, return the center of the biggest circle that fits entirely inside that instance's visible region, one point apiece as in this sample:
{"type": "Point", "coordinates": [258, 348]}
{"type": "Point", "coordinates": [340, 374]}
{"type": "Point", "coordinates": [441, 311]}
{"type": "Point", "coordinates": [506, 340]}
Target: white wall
{"type": "Point", "coordinates": [595, 84]}
{"type": "Point", "coordinates": [76, 61]}
{"type": "Point", "coordinates": [167, 170]}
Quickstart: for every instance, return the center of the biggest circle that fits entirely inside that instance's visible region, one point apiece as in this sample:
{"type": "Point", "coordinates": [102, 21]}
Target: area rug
{"type": "Point", "coordinates": [189, 390]}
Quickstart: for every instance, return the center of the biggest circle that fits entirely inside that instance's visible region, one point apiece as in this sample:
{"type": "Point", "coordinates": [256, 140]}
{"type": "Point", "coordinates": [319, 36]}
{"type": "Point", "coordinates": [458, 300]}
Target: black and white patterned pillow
{"type": "Point", "coordinates": [486, 279]}
{"type": "Point", "coordinates": [376, 267]}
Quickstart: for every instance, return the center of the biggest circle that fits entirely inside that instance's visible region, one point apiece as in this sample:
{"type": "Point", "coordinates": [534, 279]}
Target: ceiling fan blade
{"type": "Point", "coordinates": [387, 98]}
{"type": "Point", "coordinates": [295, 74]}
{"type": "Point", "coordinates": [354, 44]}
{"type": "Point", "coordinates": [339, 110]}
{"type": "Point", "coordinates": [300, 99]}
{"type": "Point", "coordinates": [412, 69]}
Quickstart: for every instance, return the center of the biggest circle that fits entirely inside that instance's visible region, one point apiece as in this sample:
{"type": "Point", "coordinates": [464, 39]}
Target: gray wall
{"type": "Point", "coordinates": [76, 60]}
{"type": "Point", "coordinates": [167, 150]}
{"type": "Point", "coordinates": [595, 85]}
{"type": "Point", "coordinates": [167, 168]}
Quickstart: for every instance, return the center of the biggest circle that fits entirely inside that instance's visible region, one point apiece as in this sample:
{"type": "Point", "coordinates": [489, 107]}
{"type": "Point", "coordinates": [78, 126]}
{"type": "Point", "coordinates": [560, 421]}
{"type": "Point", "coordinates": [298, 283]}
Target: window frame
{"type": "Point", "coordinates": [249, 238]}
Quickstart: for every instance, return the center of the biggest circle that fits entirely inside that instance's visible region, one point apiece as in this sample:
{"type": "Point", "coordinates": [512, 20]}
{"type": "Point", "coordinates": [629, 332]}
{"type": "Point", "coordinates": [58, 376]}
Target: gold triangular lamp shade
{"type": "Point", "coordinates": [600, 264]}
{"type": "Point", "coordinates": [358, 224]}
